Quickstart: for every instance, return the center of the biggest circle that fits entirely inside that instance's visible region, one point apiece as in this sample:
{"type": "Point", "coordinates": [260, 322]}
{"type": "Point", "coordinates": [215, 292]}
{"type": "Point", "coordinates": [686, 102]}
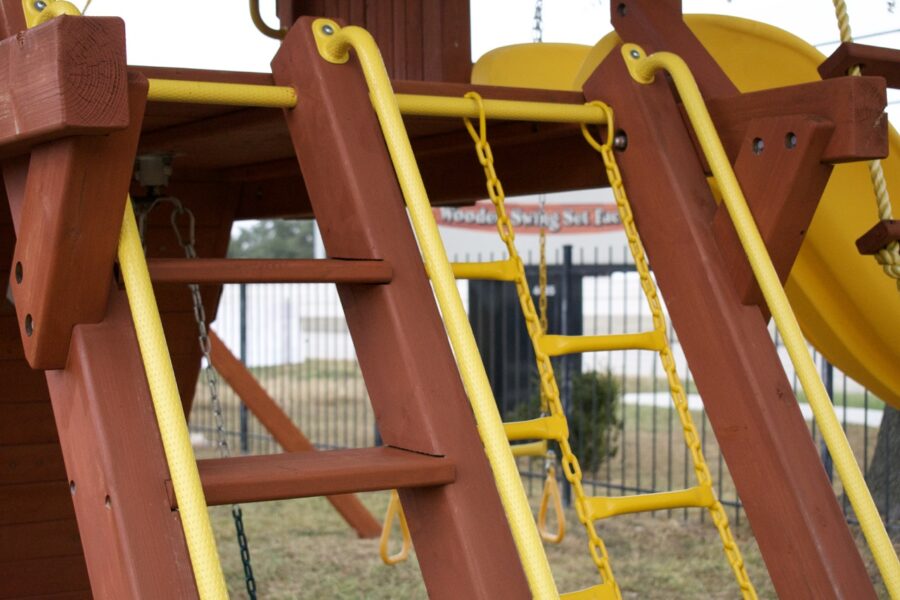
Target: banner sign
{"type": "Point", "coordinates": [526, 218]}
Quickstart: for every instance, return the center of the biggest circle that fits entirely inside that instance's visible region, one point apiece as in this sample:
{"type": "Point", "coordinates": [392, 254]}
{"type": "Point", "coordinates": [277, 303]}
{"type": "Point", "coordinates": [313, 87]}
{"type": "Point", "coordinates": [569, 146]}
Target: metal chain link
{"type": "Point", "coordinates": [549, 387]}
{"type": "Point", "coordinates": [538, 28]}
{"type": "Point", "coordinates": [679, 398]}
{"type": "Point", "coordinates": [187, 242]}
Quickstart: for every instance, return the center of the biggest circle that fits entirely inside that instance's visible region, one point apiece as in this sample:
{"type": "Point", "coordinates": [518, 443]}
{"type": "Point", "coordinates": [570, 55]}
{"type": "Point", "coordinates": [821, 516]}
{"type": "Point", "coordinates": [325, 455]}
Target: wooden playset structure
{"type": "Point", "coordinates": [725, 151]}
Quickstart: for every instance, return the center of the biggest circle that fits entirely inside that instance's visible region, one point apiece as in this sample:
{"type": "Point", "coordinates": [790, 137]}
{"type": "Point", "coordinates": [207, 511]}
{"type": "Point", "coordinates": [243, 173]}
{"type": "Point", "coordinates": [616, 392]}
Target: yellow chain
{"type": "Point", "coordinates": [542, 285]}
{"type": "Point", "coordinates": [679, 399]}
{"type": "Point", "coordinates": [549, 387]}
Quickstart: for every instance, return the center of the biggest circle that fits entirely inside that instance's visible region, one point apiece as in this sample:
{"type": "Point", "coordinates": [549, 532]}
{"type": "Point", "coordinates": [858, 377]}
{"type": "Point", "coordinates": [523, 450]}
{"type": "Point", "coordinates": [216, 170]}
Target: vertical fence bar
{"type": "Point", "coordinates": [828, 380]}
{"type": "Point", "coordinates": [242, 324]}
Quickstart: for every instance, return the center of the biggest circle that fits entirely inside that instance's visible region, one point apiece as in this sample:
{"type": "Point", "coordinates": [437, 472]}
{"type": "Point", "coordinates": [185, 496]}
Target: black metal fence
{"type": "Point", "coordinates": [295, 341]}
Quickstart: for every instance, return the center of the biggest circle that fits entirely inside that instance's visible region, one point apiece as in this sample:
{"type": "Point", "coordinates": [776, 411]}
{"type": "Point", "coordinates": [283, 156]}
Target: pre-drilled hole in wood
{"type": "Point", "coordinates": [29, 325]}
{"type": "Point", "coordinates": [19, 272]}
{"type": "Point", "coordinates": [790, 140]}
{"type": "Point", "coordinates": [107, 502]}
{"type": "Point", "coordinates": [622, 9]}
{"type": "Point", "coordinates": [758, 146]}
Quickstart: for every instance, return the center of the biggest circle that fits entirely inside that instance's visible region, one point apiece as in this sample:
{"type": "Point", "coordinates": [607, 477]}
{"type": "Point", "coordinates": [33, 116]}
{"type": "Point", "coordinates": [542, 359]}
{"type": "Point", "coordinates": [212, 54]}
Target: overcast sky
{"type": "Point", "coordinates": [221, 35]}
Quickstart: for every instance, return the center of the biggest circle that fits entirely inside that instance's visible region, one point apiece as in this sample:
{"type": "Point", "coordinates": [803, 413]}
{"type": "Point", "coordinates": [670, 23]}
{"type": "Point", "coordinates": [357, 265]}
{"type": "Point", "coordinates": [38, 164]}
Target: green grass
{"type": "Point", "coordinates": [302, 548]}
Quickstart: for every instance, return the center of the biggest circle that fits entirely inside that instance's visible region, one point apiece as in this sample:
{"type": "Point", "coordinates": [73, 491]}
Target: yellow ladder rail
{"type": "Point", "coordinates": [642, 69]}
{"type": "Point", "coordinates": [334, 43]}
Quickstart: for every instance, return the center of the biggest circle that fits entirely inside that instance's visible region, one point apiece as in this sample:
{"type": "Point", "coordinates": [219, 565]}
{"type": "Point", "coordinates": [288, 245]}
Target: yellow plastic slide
{"type": "Point", "coordinates": [848, 308]}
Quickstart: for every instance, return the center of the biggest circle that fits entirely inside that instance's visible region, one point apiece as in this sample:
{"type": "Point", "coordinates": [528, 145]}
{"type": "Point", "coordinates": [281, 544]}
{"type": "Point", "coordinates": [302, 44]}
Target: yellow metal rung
{"type": "Point", "coordinates": [601, 507]}
{"type": "Point", "coordinates": [496, 270]}
{"type": "Point", "coordinates": [557, 345]}
{"type": "Point", "coordinates": [603, 591]}
{"type": "Point", "coordinates": [225, 94]}
{"type": "Point", "coordinates": [536, 449]}
{"type": "Point", "coordinates": [515, 110]}
{"type": "Point", "coordinates": [544, 428]}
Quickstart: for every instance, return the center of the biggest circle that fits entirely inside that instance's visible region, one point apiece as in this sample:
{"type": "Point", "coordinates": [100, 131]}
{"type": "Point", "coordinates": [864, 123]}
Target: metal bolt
{"type": "Point", "coordinates": [635, 54]}
{"type": "Point", "coordinates": [758, 146]}
{"type": "Point", "coordinates": [327, 29]}
{"type": "Point", "coordinates": [40, 5]}
{"type": "Point", "coordinates": [620, 140]}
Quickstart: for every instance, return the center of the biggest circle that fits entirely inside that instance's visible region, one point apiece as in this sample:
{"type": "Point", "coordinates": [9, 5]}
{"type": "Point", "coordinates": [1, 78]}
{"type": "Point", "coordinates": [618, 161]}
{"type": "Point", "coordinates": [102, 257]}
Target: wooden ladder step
{"type": "Point", "coordinates": [306, 474]}
{"type": "Point", "coordinates": [252, 270]}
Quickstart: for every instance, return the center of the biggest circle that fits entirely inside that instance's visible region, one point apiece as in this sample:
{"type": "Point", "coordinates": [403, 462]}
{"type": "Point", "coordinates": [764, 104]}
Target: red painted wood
{"type": "Point", "coordinates": [71, 213]}
{"type": "Point", "coordinates": [63, 79]}
{"type": "Point", "coordinates": [231, 270]}
{"type": "Point", "coordinates": [279, 424]}
{"type": "Point", "coordinates": [414, 387]}
{"type": "Point", "coordinates": [783, 183]}
{"type": "Point", "coordinates": [874, 61]}
{"type": "Point", "coordinates": [306, 474]}
{"type": "Point", "coordinates": [761, 432]}
{"type": "Point", "coordinates": [882, 234]}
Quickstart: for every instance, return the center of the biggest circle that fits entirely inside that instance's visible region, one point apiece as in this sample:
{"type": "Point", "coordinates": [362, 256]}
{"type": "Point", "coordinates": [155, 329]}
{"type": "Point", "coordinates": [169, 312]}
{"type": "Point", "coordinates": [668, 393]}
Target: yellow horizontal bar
{"type": "Point", "coordinates": [224, 94]}
{"type": "Point", "coordinates": [496, 270]}
{"type": "Point", "coordinates": [510, 110]}
{"type": "Point", "coordinates": [535, 449]}
{"type": "Point", "coordinates": [601, 507]}
{"type": "Point", "coordinates": [544, 428]}
{"type": "Point", "coordinates": [557, 345]}
{"type": "Point", "coordinates": [602, 591]}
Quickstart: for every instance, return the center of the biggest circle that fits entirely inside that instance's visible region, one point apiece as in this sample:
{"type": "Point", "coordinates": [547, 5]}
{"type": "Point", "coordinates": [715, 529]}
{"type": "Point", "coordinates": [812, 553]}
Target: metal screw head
{"type": "Point", "coordinates": [40, 4]}
{"type": "Point", "coordinates": [635, 54]}
{"type": "Point", "coordinates": [620, 140]}
{"type": "Point", "coordinates": [327, 29]}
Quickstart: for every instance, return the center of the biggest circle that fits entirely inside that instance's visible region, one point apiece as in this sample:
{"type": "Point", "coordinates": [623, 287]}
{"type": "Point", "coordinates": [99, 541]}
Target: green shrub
{"type": "Point", "coordinates": [594, 418]}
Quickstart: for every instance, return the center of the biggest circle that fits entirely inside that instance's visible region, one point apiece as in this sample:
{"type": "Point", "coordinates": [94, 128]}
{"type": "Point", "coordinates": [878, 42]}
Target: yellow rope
{"type": "Point", "coordinates": [889, 256]}
{"type": "Point", "coordinates": [334, 44]}
{"type": "Point", "coordinates": [643, 69]}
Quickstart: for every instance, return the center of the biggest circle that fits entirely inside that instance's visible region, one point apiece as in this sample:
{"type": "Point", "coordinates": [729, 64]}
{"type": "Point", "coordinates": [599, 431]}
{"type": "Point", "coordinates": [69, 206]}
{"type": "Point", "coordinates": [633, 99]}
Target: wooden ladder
{"type": "Point", "coordinates": [119, 483]}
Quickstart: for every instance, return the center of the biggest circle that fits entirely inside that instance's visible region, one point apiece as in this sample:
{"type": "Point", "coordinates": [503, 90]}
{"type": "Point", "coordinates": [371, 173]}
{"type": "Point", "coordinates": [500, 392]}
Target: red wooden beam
{"type": "Point", "coordinates": [248, 270]}
{"type": "Point", "coordinates": [758, 424]}
{"type": "Point", "coordinates": [401, 344]}
{"type": "Point", "coordinates": [288, 435]}
{"type": "Point", "coordinates": [307, 474]}
{"type": "Point", "coordinates": [67, 221]}
{"type": "Point", "coordinates": [877, 238]}
{"type": "Point", "coordinates": [780, 165]}
{"type": "Point", "coordinates": [873, 61]}
{"type": "Point", "coordinates": [64, 78]}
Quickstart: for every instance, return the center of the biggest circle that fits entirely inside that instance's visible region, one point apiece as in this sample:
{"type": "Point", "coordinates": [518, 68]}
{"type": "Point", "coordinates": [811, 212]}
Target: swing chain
{"type": "Point", "coordinates": [187, 243]}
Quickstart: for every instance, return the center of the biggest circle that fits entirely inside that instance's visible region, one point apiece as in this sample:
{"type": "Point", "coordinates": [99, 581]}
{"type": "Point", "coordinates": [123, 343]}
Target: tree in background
{"type": "Point", "coordinates": [275, 238]}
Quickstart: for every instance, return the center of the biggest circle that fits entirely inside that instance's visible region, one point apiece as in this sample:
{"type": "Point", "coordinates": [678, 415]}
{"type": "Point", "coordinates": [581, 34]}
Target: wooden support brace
{"type": "Point", "coordinates": [872, 60]}
{"type": "Point", "coordinates": [288, 435]}
{"type": "Point", "coordinates": [775, 465]}
{"type": "Point", "coordinates": [853, 105]}
{"type": "Point", "coordinates": [879, 237]}
{"type": "Point", "coordinates": [68, 212]}
{"type": "Point", "coordinates": [779, 163]}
